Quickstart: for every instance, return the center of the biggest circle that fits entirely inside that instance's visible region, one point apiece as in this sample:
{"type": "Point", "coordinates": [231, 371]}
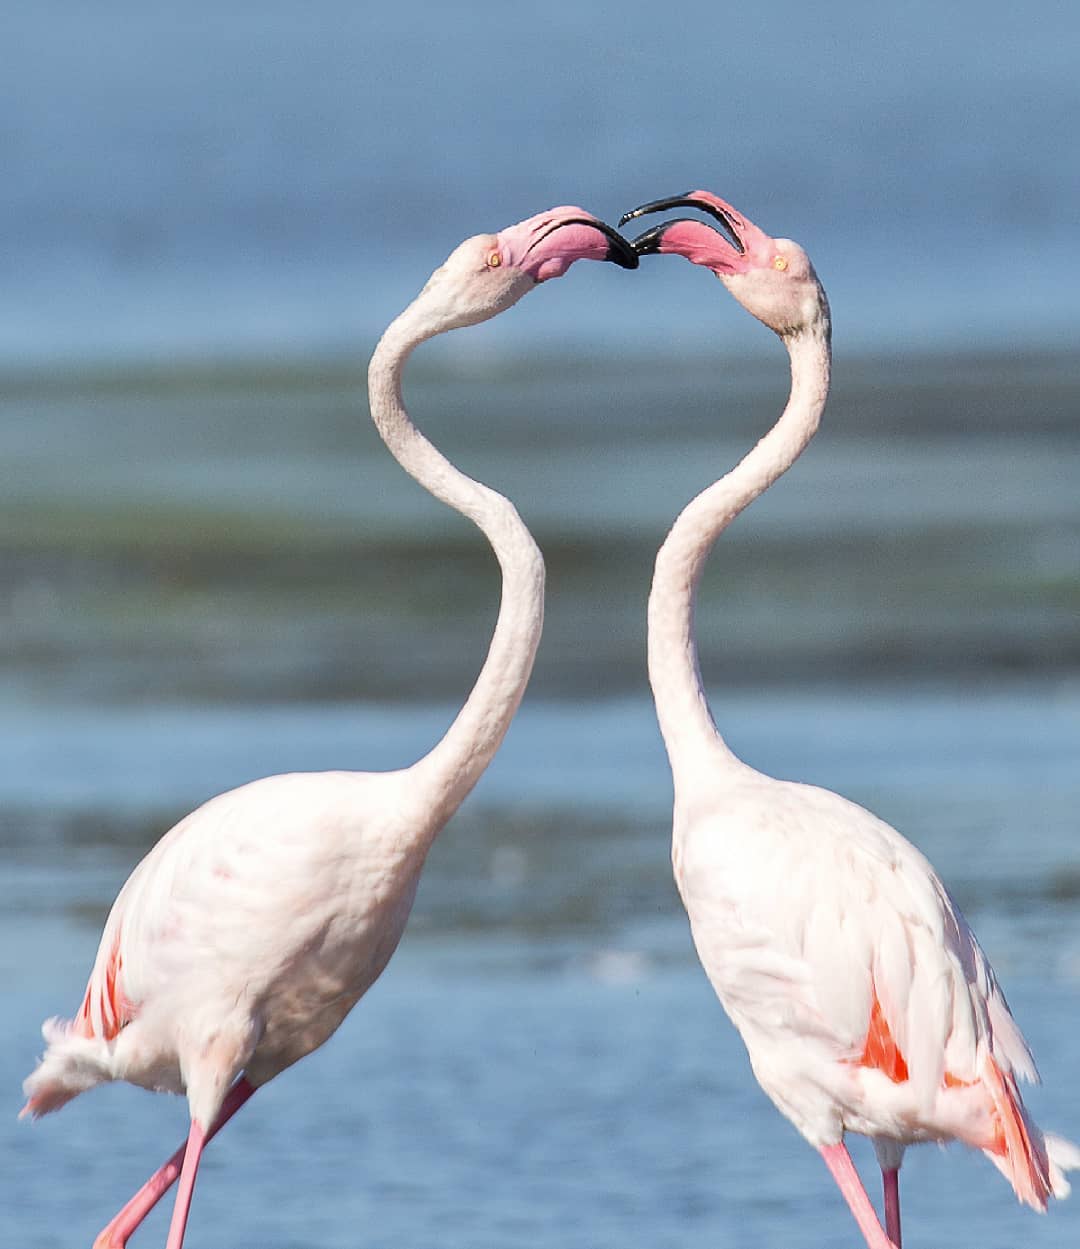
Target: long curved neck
{"type": "Point", "coordinates": [689, 733]}
{"type": "Point", "coordinates": [449, 771]}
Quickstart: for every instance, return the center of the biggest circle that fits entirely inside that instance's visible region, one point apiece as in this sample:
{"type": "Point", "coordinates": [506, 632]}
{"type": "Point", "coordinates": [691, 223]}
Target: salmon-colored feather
{"type": "Point", "coordinates": [104, 1009]}
{"type": "Point", "coordinates": [1024, 1159]}
{"type": "Point", "coordinates": [881, 1051]}
{"type": "Point", "coordinates": [1027, 1164]}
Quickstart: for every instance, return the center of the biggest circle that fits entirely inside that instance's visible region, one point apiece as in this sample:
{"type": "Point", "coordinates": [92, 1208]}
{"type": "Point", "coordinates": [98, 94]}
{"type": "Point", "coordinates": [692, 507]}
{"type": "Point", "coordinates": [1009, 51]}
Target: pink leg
{"type": "Point", "coordinates": [838, 1160]}
{"type": "Point", "coordinates": [115, 1236]}
{"type": "Point", "coordinates": [890, 1179]}
{"type": "Point", "coordinates": [195, 1142]}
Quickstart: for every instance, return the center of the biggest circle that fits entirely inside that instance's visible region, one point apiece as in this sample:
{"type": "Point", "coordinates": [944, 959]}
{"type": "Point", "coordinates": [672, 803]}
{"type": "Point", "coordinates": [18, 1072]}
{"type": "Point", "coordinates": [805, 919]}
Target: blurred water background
{"type": "Point", "coordinates": [211, 569]}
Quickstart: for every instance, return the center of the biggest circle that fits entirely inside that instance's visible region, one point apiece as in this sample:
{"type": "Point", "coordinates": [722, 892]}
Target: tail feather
{"type": "Point", "coordinates": [1032, 1161]}
{"type": "Point", "coordinates": [1064, 1156]}
{"type": "Point", "coordinates": [72, 1063]}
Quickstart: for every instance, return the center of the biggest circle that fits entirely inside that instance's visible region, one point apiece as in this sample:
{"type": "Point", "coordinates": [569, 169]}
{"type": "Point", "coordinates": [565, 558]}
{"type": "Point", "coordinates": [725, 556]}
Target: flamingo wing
{"type": "Point", "coordinates": [831, 941]}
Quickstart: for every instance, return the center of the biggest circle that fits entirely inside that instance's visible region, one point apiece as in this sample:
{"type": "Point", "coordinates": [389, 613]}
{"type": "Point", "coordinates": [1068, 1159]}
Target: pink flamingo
{"type": "Point", "coordinates": [863, 998]}
{"type": "Point", "coordinates": [248, 933]}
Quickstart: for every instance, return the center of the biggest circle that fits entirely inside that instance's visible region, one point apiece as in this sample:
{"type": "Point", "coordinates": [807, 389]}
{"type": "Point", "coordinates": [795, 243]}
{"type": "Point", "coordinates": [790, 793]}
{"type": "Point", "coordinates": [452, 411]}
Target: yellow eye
{"type": "Point", "coordinates": [779, 262]}
{"type": "Point", "coordinates": [494, 260]}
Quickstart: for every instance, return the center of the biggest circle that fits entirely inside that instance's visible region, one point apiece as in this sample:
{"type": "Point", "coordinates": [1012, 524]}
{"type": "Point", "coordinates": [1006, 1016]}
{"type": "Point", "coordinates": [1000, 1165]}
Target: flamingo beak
{"type": "Point", "coordinates": [546, 245]}
{"type": "Point", "coordinates": [618, 249]}
{"type": "Point", "coordinates": [722, 249]}
{"type": "Point", "coordinates": [649, 243]}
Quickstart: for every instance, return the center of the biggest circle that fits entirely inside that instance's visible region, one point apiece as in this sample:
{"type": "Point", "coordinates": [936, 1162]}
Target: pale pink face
{"type": "Point", "coordinates": [773, 279]}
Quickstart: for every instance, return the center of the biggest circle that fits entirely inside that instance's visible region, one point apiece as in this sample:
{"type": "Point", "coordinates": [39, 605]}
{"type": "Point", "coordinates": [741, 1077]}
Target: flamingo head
{"type": "Point", "coordinates": [546, 245]}
{"type": "Point", "coordinates": [773, 279]}
{"type": "Point", "coordinates": [488, 273]}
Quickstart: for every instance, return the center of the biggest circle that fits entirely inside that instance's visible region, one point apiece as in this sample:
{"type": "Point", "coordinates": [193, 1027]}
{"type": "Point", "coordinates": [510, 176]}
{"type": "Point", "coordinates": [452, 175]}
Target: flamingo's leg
{"type": "Point", "coordinates": [115, 1235]}
{"type": "Point", "coordinates": [838, 1160]}
{"type": "Point", "coordinates": [196, 1141]}
{"type": "Point", "coordinates": [890, 1179]}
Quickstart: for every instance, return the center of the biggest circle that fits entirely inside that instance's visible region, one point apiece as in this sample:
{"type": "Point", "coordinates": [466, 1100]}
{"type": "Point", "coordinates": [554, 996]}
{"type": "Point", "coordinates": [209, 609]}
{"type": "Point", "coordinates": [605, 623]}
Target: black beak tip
{"type": "Point", "coordinates": [648, 244]}
{"type": "Point", "coordinates": [622, 253]}
{"type": "Point", "coordinates": [659, 205]}
{"type": "Point", "coordinates": [619, 249]}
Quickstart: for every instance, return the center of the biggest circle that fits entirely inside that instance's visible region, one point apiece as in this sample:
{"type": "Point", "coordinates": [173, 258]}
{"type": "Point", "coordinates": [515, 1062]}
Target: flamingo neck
{"type": "Point", "coordinates": [687, 726]}
{"type": "Point", "coordinates": [449, 771]}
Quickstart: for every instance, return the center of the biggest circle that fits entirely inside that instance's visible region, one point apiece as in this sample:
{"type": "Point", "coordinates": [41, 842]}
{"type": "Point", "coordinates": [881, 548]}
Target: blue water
{"type": "Point", "coordinates": [240, 178]}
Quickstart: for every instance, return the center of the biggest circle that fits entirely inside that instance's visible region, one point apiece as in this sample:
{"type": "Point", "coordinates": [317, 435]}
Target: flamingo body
{"type": "Point", "coordinates": [243, 939]}
{"type": "Point", "coordinates": [864, 1000]}
{"type": "Point", "coordinates": [248, 933]}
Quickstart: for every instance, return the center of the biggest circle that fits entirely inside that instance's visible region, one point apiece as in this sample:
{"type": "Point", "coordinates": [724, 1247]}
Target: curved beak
{"type": "Point", "coordinates": [733, 225]}
{"type": "Point", "coordinates": [619, 250]}
{"type": "Point", "coordinates": [546, 245]}
{"type": "Point", "coordinates": [733, 245]}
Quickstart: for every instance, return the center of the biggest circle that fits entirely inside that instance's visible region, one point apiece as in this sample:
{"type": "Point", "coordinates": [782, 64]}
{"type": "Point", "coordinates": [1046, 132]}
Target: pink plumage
{"type": "Point", "coordinates": [242, 940]}
{"type": "Point", "coordinates": [247, 934]}
{"type": "Point", "coordinates": [863, 997]}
